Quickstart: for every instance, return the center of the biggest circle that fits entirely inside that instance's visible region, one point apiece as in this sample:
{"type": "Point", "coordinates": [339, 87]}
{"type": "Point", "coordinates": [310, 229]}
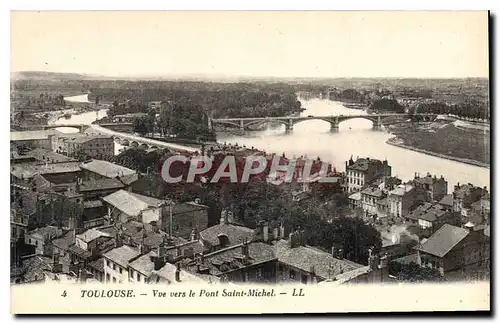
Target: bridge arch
{"type": "Point", "coordinates": [265, 121]}
{"type": "Point", "coordinates": [144, 146]}
{"type": "Point", "coordinates": [134, 144]}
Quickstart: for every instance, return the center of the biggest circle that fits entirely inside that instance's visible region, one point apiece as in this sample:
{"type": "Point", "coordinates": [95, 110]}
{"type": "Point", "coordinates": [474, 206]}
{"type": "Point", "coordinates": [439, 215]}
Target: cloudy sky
{"type": "Point", "coordinates": [279, 44]}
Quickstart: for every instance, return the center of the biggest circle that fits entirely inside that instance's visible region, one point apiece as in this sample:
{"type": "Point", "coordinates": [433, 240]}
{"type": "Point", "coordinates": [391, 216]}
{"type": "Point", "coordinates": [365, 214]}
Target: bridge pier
{"type": "Point", "coordinates": [289, 126]}
{"type": "Point", "coordinates": [377, 125]}
{"type": "Point", "coordinates": [334, 126]}
{"type": "Point", "coordinates": [242, 125]}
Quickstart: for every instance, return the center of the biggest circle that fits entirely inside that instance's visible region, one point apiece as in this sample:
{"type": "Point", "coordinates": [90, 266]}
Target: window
{"type": "Point", "coordinates": [138, 276]}
{"type": "Point", "coordinates": [114, 267]}
{"type": "Point", "coordinates": [120, 270]}
{"type": "Point", "coordinates": [114, 280]}
{"type": "Point", "coordinates": [292, 274]}
{"type": "Point", "coordinates": [107, 277]}
{"type": "Point", "coordinates": [304, 279]}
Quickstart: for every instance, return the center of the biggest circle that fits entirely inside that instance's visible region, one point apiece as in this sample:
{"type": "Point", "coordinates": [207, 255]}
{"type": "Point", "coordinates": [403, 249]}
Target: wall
{"type": "Point", "coordinates": [114, 273]}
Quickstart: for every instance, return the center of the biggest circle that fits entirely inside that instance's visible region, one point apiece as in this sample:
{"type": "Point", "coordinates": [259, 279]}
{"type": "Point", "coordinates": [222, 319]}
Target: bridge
{"type": "Point", "coordinates": [289, 122]}
{"type": "Point", "coordinates": [138, 141]}
{"type": "Point", "coordinates": [82, 127]}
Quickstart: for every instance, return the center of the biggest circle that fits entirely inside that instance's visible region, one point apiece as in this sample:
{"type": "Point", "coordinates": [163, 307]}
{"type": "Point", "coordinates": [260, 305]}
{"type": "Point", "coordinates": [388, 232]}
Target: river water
{"type": "Point", "coordinates": [355, 137]}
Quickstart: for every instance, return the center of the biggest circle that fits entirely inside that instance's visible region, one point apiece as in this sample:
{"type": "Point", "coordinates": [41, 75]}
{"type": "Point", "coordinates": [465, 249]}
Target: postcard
{"type": "Point", "coordinates": [170, 162]}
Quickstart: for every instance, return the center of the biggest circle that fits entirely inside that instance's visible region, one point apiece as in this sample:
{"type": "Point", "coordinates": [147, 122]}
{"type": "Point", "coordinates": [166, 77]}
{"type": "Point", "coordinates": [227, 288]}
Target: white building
{"type": "Point", "coordinates": [116, 263]}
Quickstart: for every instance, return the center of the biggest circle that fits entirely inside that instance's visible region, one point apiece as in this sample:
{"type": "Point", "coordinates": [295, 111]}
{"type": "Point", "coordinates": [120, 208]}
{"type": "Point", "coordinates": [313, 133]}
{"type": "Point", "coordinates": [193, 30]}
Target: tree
{"type": "Point", "coordinates": [143, 125]}
{"type": "Point", "coordinates": [412, 272]}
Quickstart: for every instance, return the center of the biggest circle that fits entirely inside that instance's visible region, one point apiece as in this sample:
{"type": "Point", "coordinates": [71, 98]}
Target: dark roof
{"type": "Point", "coordinates": [364, 163]}
{"type": "Point", "coordinates": [98, 264]}
{"type": "Point", "coordinates": [372, 191]}
{"type": "Point", "coordinates": [64, 241]}
{"type": "Point", "coordinates": [101, 184]}
{"type": "Point", "coordinates": [429, 212]}
{"type": "Point", "coordinates": [122, 255]}
{"type": "Point", "coordinates": [232, 258]}
{"type": "Point", "coordinates": [235, 234]}
{"type": "Point", "coordinates": [79, 251]}
{"type": "Point", "coordinates": [306, 257]}
{"type": "Point", "coordinates": [445, 239]}
{"type": "Point", "coordinates": [447, 200]}
{"type": "Point", "coordinates": [428, 179]}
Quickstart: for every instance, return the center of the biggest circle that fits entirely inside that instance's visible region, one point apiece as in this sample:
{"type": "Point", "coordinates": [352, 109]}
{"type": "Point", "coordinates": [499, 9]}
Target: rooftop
{"type": "Point", "coordinates": [101, 184]}
{"type": "Point", "coordinates": [92, 234]}
{"type": "Point", "coordinates": [372, 191]}
{"type": "Point", "coordinates": [48, 232]}
{"type": "Point", "coordinates": [144, 264]}
{"type": "Point", "coordinates": [107, 169]}
{"type": "Point", "coordinates": [401, 190]}
{"type": "Point", "coordinates": [32, 135]}
{"type": "Point", "coordinates": [355, 196]}
{"type": "Point", "coordinates": [306, 257]}
{"type": "Point", "coordinates": [26, 171]}
{"type": "Point", "coordinates": [98, 264]}
{"type": "Point", "coordinates": [447, 201]}
{"type": "Point", "coordinates": [232, 258]}
{"type": "Point", "coordinates": [122, 255]}
{"type": "Point", "coordinates": [235, 234]}
{"type": "Point", "coordinates": [363, 164]}
{"type": "Point", "coordinates": [427, 211]}
{"type": "Point", "coordinates": [445, 239]}
{"type": "Point", "coordinates": [130, 203]}
{"type": "Point", "coordinates": [167, 273]}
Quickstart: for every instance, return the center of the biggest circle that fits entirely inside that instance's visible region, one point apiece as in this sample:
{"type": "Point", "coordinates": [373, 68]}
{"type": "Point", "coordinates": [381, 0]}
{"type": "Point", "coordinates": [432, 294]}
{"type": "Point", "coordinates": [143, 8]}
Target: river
{"type": "Point", "coordinates": [355, 137]}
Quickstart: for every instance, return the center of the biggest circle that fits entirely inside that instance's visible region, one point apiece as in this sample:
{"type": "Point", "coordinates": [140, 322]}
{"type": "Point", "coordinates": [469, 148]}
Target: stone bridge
{"type": "Point", "coordinates": [289, 122]}
{"type": "Point", "coordinates": [82, 127]}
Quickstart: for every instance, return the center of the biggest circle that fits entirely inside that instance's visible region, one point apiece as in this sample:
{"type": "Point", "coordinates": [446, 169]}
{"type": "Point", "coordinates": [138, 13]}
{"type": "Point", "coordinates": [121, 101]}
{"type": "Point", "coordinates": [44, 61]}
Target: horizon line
{"type": "Point", "coordinates": [238, 76]}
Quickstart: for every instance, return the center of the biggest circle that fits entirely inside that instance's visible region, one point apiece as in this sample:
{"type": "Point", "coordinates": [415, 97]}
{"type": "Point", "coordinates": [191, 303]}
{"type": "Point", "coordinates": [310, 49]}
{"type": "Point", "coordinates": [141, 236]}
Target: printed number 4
{"type": "Point", "coordinates": [64, 293]}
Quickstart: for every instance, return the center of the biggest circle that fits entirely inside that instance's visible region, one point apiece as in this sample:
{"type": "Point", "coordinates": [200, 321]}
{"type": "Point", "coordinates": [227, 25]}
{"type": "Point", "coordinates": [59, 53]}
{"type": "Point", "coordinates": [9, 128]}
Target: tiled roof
{"type": "Point", "coordinates": [107, 169]}
{"type": "Point", "coordinates": [92, 204]}
{"type": "Point", "coordinates": [305, 257]}
{"type": "Point", "coordinates": [101, 184]}
{"type": "Point", "coordinates": [363, 164]}
{"type": "Point", "coordinates": [26, 171]}
{"type": "Point", "coordinates": [92, 234]}
{"type": "Point", "coordinates": [167, 273]}
{"type": "Point", "coordinates": [401, 190]}
{"type": "Point", "coordinates": [235, 233]}
{"type": "Point", "coordinates": [445, 239]}
{"type": "Point", "coordinates": [447, 200]}
{"type": "Point", "coordinates": [131, 203]}
{"type": "Point", "coordinates": [144, 264]}
{"type": "Point", "coordinates": [122, 255]}
{"type": "Point", "coordinates": [64, 241]}
{"type": "Point", "coordinates": [46, 231]}
{"type": "Point", "coordinates": [372, 191]}
{"type": "Point", "coordinates": [49, 156]}
{"type": "Point", "coordinates": [98, 264]}
{"type": "Point", "coordinates": [79, 251]}
{"type": "Point", "coordinates": [427, 211]}
{"type": "Point", "coordinates": [232, 258]}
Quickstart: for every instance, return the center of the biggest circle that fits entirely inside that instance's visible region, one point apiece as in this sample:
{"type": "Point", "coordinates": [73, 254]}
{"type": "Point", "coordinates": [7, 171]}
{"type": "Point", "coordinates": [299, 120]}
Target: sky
{"type": "Point", "coordinates": [255, 44]}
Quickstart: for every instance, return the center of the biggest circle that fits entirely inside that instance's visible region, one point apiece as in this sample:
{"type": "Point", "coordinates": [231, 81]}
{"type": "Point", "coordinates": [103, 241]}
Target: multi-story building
{"type": "Point", "coordinates": [124, 205]}
{"type": "Point", "coordinates": [41, 237]}
{"type": "Point", "coordinates": [76, 145]}
{"type": "Point", "coordinates": [434, 188]}
{"type": "Point", "coordinates": [465, 195]}
{"type": "Point", "coordinates": [401, 199]}
{"type": "Point", "coordinates": [34, 139]}
{"type": "Point", "coordinates": [429, 217]}
{"type": "Point", "coordinates": [116, 263]}
{"type": "Point", "coordinates": [455, 252]}
{"type": "Point", "coordinates": [99, 169]}
{"type": "Point", "coordinates": [370, 196]}
{"type": "Point", "coordinates": [364, 171]}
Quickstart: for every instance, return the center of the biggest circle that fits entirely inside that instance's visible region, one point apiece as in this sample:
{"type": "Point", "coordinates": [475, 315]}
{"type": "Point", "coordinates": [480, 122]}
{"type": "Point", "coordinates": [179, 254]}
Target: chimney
{"type": "Point", "coordinates": [224, 217]}
{"type": "Point", "coordinates": [334, 251]}
{"type": "Point", "coordinates": [265, 232]}
{"type": "Point", "coordinates": [82, 276]}
{"type": "Point", "coordinates": [276, 233]}
{"type": "Point", "coordinates": [56, 265]}
{"type": "Point", "coordinates": [303, 238]}
{"type": "Point", "coordinates": [340, 255]}
{"type": "Point", "coordinates": [244, 248]}
{"type": "Point", "coordinates": [282, 231]}
{"type": "Point", "coordinates": [178, 272]}
{"type": "Point", "coordinates": [294, 239]}
{"type": "Point", "coordinates": [384, 261]}
{"type": "Point", "coordinates": [194, 235]}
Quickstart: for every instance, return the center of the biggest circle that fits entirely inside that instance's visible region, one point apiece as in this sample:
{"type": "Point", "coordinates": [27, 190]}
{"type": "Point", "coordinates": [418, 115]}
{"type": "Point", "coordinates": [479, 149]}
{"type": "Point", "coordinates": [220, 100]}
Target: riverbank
{"type": "Point", "coordinates": [444, 140]}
